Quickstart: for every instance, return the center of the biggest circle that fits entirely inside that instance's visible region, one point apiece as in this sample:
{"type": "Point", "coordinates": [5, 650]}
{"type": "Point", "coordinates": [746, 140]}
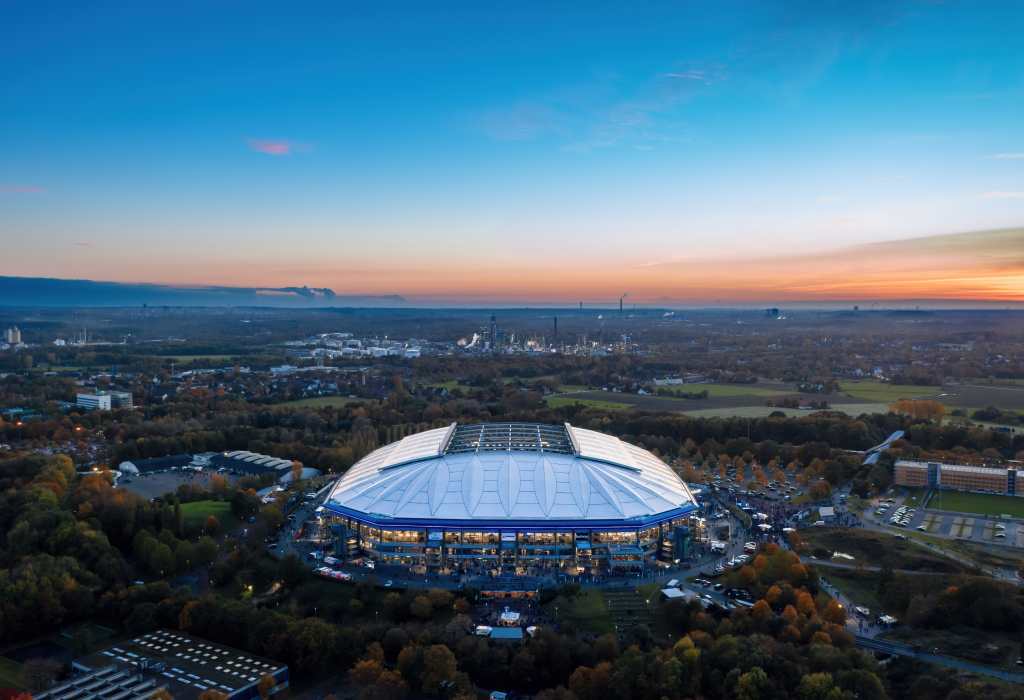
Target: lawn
{"type": "Point", "coordinates": [563, 401]}
{"type": "Point", "coordinates": [887, 393]}
{"type": "Point", "coordinates": [860, 587]}
{"type": "Point", "coordinates": [449, 384]}
{"type": "Point", "coordinates": [981, 646]}
{"type": "Point", "coordinates": [193, 358]}
{"type": "Point", "coordinates": [196, 512]}
{"type": "Point", "coordinates": [875, 549]}
{"type": "Point", "coordinates": [850, 409]}
{"type": "Point", "coordinates": [722, 390]}
{"type": "Point", "coordinates": [980, 503]}
{"type": "Point", "coordinates": [320, 402]}
{"type": "Point", "coordinates": [587, 611]}
{"type": "Point", "coordinates": [10, 674]}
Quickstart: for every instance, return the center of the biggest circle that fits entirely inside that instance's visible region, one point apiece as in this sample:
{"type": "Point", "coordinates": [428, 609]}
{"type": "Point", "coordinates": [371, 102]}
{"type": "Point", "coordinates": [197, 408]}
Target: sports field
{"type": "Point", "coordinates": [980, 503]}
{"type": "Point", "coordinates": [720, 390]}
{"type": "Point", "coordinates": [879, 392]}
{"type": "Point", "coordinates": [195, 513]}
{"type": "Point", "coordinates": [850, 409]}
{"type": "Point", "coordinates": [562, 401]}
{"type": "Point", "coordinates": [587, 611]}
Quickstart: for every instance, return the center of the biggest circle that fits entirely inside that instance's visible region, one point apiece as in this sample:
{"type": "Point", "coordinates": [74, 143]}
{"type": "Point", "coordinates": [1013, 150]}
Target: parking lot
{"type": "Point", "coordinates": [152, 484]}
{"type": "Point", "coordinates": [982, 530]}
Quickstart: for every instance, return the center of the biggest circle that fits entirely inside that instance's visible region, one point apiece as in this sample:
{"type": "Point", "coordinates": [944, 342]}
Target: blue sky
{"type": "Point", "coordinates": [447, 150]}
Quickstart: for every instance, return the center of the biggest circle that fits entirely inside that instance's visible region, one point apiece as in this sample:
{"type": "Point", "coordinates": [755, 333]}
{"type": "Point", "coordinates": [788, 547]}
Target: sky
{"type": "Point", "coordinates": [536, 152]}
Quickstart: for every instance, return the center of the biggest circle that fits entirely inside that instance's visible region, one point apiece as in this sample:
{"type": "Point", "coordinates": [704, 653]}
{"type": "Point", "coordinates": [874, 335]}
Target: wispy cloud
{"type": "Point", "coordinates": [604, 112]}
{"type": "Point", "coordinates": [1007, 156]}
{"type": "Point", "coordinates": [706, 75]}
{"type": "Point", "coordinates": [84, 244]}
{"type": "Point", "coordinates": [521, 122]}
{"type": "Point", "coordinates": [1002, 194]}
{"type": "Point", "coordinates": [275, 147]}
{"type": "Point", "coordinates": [9, 188]}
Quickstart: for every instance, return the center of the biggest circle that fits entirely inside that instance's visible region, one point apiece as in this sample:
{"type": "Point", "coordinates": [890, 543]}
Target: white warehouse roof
{"type": "Point", "coordinates": [508, 472]}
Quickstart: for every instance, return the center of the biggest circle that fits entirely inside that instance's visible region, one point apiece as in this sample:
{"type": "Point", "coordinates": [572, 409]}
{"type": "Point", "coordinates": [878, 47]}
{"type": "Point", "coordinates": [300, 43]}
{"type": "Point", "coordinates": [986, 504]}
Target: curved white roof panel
{"type": "Point", "coordinates": [564, 474]}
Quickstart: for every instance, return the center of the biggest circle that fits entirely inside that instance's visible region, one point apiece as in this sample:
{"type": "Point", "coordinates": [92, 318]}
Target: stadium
{"type": "Point", "coordinates": [511, 498]}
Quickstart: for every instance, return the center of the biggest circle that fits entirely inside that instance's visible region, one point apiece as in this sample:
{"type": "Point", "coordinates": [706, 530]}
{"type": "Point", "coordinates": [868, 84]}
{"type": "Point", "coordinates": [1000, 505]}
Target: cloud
{"type": "Point", "coordinates": [603, 112]}
{"type": "Point", "coordinates": [275, 147]}
{"type": "Point", "coordinates": [689, 75]}
{"type": "Point", "coordinates": [521, 122]}
{"type": "Point", "coordinates": [1002, 195]}
{"type": "Point", "coordinates": [1007, 156]}
{"type": "Point", "coordinates": [7, 188]}
{"type": "Point", "coordinates": [84, 244]}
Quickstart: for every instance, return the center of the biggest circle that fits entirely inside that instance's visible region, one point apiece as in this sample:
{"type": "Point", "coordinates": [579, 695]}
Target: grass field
{"type": "Point", "coordinates": [562, 401]}
{"type": "Point", "coordinates": [320, 402]}
{"type": "Point", "coordinates": [860, 587]}
{"type": "Point", "coordinates": [193, 358]}
{"type": "Point", "coordinates": [887, 393]}
{"type": "Point", "coordinates": [449, 385]}
{"type": "Point", "coordinates": [10, 674]}
{"type": "Point", "coordinates": [850, 409]}
{"type": "Point", "coordinates": [985, 647]}
{"type": "Point", "coordinates": [195, 513]}
{"type": "Point", "coordinates": [982, 503]}
{"type": "Point", "coordinates": [722, 390]}
{"type": "Point", "coordinates": [587, 612]}
{"type": "Point", "coordinates": [875, 549]}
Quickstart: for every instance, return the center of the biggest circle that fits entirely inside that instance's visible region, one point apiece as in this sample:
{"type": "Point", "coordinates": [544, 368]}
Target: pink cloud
{"type": "Point", "coordinates": [272, 148]}
{"type": "Point", "coordinates": [20, 189]}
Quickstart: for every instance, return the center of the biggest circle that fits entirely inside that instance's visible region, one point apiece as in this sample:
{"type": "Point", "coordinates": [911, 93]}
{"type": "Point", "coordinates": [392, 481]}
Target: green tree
{"type": "Point", "coordinates": [753, 685]}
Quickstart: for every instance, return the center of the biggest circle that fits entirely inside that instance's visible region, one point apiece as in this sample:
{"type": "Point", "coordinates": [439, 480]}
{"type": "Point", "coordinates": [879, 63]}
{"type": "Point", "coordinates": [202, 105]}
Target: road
{"type": "Point", "coordinates": [898, 649]}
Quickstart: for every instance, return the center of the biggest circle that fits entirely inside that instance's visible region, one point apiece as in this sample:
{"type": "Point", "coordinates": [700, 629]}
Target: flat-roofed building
{"type": "Point", "coordinates": [185, 666]}
{"type": "Point", "coordinates": [957, 477]}
{"type": "Point", "coordinates": [93, 402]}
{"type": "Point", "coordinates": [908, 473]}
{"type": "Point", "coordinates": [120, 399]}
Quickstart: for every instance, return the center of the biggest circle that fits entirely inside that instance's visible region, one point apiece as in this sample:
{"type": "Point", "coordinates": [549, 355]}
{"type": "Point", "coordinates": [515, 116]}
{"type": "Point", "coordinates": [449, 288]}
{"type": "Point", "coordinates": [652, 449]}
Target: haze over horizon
{"type": "Point", "coordinates": [710, 153]}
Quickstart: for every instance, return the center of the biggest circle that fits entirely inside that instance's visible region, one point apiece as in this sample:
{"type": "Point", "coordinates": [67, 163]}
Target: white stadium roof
{"type": "Point", "coordinates": [261, 460]}
{"type": "Point", "coordinates": [506, 472]}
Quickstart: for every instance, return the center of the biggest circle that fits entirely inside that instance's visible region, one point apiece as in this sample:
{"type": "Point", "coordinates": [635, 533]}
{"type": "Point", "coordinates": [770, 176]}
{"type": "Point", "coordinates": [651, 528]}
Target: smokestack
{"type": "Point", "coordinates": [556, 329]}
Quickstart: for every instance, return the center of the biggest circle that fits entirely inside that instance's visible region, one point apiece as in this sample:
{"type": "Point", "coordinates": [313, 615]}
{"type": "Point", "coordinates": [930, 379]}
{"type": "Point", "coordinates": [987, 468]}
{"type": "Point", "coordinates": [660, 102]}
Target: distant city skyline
{"type": "Point", "coordinates": [710, 153]}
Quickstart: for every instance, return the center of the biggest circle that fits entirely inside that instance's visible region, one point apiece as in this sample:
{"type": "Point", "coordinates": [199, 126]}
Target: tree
{"type": "Point", "coordinates": [212, 695]}
{"type": "Point", "coordinates": [365, 672]}
{"type": "Point", "coordinates": [815, 686]}
{"type": "Point", "coordinates": [389, 685]}
{"type": "Point", "coordinates": [212, 525]}
{"type": "Point", "coordinates": [439, 669]}
{"type": "Point", "coordinates": [753, 685]}
{"type": "Point", "coordinates": [266, 686]}
{"type": "Point", "coordinates": [421, 607]}
{"type": "Point", "coordinates": [834, 612]}
{"type": "Point", "coordinates": [161, 559]}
